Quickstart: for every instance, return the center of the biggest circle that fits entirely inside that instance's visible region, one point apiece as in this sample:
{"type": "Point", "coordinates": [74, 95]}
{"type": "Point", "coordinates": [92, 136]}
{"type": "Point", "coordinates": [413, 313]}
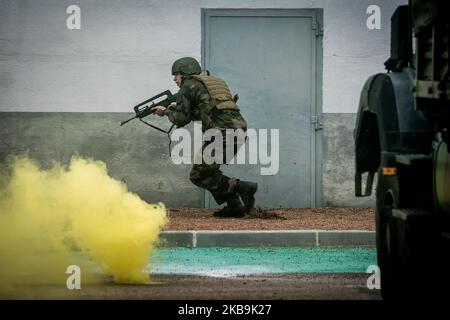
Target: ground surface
{"type": "Point", "coordinates": [225, 273]}
{"type": "Point", "coordinates": [275, 219]}
{"type": "Point", "coordinates": [255, 287]}
{"type": "Point", "coordinates": [312, 274]}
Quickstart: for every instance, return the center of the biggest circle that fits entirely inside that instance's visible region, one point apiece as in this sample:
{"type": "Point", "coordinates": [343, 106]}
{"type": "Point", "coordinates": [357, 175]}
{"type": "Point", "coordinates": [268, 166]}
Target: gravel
{"type": "Point", "coordinates": [275, 219]}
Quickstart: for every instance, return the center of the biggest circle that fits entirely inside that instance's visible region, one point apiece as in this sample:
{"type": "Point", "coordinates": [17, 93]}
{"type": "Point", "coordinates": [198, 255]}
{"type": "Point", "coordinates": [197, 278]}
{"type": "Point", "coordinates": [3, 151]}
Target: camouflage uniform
{"type": "Point", "coordinates": [194, 104]}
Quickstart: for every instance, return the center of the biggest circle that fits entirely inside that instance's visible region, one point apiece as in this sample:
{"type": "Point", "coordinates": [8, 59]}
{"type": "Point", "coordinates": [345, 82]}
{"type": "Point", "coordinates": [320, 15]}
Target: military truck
{"type": "Point", "coordinates": [402, 142]}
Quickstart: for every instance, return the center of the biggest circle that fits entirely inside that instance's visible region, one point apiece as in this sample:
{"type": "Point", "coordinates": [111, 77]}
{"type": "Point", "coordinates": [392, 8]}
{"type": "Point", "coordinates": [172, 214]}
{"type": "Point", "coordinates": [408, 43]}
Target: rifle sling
{"type": "Point", "coordinates": [159, 129]}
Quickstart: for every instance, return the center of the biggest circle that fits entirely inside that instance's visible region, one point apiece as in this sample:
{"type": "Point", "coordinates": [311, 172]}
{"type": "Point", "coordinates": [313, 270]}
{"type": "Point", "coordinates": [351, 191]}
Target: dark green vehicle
{"type": "Point", "coordinates": [402, 135]}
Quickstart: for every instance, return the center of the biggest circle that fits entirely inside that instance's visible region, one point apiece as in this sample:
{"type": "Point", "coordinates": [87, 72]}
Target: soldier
{"type": "Point", "coordinates": [208, 99]}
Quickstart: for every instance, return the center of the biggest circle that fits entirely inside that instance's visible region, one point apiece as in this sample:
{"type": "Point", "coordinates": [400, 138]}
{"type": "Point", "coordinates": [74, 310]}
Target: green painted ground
{"type": "Point", "coordinates": [244, 261]}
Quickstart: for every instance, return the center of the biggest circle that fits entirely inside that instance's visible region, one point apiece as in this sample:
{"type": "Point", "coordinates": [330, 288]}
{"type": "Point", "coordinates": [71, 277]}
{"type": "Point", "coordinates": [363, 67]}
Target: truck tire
{"type": "Point", "coordinates": [386, 236]}
{"type": "Point", "coordinates": [407, 249]}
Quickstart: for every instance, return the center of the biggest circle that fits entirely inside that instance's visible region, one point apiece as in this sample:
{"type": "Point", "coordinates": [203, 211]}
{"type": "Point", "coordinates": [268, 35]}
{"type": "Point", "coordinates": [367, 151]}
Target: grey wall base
{"type": "Point", "coordinates": [338, 163]}
{"type": "Point", "coordinates": [134, 153]}
{"type": "Point", "coordinates": [139, 155]}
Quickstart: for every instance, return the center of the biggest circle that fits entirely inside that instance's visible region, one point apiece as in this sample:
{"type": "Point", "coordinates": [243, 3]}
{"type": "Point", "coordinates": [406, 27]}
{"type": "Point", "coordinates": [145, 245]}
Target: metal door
{"type": "Point", "coordinates": [272, 59]}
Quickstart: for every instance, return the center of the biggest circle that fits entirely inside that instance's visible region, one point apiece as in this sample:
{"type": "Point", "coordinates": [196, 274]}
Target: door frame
{"type": "Point", "coordinates": [316, 16]}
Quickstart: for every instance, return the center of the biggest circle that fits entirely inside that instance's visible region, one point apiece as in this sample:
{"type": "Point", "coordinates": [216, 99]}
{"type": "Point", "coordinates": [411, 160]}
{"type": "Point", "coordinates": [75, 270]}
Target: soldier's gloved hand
{"type": "Point", "coordinates": [172, 106]}
{"type": "Point", "coordinates": [159, 110]}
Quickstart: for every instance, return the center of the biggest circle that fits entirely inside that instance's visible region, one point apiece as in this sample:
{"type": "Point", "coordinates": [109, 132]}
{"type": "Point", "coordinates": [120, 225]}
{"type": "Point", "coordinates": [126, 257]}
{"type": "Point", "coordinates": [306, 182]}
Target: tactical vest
{"type": "Point", "coordinates": [219, 92]}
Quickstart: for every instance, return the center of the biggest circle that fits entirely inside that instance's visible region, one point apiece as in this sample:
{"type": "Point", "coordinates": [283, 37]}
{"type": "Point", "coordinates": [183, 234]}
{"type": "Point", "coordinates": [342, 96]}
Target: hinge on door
{"type": "Point", "coordinates": [317, 28]}
{"type": "Point", "coordinates": [317, 122]}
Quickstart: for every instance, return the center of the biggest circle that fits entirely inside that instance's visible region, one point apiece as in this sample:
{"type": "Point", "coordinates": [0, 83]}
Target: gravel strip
{"type": "Point", "coordinates": [277, 219]}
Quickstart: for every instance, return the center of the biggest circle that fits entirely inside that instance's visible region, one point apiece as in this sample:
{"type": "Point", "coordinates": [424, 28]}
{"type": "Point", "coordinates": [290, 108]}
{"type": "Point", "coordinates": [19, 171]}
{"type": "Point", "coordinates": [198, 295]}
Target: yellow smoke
{"type": "Point", "coordinates": [50, 219]}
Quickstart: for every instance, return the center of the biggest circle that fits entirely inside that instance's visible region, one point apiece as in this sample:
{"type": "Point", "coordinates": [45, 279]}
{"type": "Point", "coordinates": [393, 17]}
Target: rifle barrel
{"type": "Point", "coordinates": [123, 122]}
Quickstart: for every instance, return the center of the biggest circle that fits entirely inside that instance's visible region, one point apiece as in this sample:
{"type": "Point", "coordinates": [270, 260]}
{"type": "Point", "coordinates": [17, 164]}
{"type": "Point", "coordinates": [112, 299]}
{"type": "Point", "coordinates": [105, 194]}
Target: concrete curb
{"type": "Point", "coordinates": [276, 238]}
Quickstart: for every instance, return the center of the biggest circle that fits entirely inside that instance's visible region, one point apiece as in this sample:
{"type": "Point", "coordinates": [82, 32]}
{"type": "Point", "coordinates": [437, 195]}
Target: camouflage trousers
{"type": "Point", "coordinates": [211, 178]}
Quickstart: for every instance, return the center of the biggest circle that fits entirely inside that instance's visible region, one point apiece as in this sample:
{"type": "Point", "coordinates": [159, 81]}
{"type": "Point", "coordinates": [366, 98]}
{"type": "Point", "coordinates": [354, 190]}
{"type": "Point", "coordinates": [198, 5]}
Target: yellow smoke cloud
{"type": "Point", "coordinates": [50, 219]}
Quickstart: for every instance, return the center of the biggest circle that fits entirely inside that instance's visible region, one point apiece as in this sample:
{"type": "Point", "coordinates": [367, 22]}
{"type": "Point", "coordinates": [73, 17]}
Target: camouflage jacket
{"type": "Point", "coordinates": [193, 105]}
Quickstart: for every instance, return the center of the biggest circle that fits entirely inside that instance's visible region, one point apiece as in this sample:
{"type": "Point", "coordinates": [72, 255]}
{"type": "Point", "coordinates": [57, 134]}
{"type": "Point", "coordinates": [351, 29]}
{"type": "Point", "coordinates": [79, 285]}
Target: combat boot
{"type": "Point", "coordinates": [247, 191]}
{"type": "Point", "coordinates": [233, 209]}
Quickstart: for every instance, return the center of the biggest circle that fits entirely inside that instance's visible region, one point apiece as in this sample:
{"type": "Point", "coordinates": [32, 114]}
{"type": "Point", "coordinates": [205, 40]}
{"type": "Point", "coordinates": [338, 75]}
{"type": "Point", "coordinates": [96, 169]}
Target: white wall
{"type": "Point", "coordinates": [124, 50]}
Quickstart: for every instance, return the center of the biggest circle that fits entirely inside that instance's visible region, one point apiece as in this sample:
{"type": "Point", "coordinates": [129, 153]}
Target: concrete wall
{"type": "Point", "coordinates": [123, 54]}
{"type": "Point", "coordinates": [124, 50]}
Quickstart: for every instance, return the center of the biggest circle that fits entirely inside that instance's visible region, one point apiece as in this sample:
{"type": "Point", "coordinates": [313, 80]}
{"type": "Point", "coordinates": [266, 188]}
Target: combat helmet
{"type": "Point", "coordinates": [186, 65]}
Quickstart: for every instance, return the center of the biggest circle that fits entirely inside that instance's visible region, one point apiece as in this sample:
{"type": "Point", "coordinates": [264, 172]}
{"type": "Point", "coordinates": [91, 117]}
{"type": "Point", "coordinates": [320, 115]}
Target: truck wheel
{"type": "Point", "coordinates": [386, 236]}
{"type": "Point", "coordinates": [407, 248]}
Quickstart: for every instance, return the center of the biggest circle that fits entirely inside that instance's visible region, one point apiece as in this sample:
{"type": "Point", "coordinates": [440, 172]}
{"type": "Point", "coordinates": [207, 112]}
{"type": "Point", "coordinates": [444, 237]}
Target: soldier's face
{"type": "Point", "coordinates": [177, 79]}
